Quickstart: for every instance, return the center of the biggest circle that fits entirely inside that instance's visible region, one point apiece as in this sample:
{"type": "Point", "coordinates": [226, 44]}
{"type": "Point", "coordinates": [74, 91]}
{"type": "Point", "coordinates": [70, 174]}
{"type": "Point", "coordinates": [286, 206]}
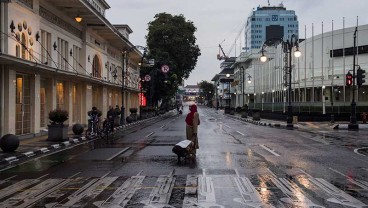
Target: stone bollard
{"type": "Point", "coordinates": [78, 129]}
{"type": "Point", "coordinates": [9, 143]}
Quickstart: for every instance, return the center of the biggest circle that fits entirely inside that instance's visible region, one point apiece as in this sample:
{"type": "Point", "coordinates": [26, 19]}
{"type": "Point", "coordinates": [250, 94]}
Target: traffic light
{"type": "Point", "coordinates": [360, 77]}
{"type": "Point", "coordinates": [349, 79]}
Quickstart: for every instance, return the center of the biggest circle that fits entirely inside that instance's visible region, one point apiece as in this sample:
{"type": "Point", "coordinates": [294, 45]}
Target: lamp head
{"type": "Point", "coordinates": [78, 18]}
{"type": "Point", "coordinates": [227, 75]}
{"type": "Point", "coordinates": [263, 58]}
{"type": "Point", "coordinates": [297, 53]}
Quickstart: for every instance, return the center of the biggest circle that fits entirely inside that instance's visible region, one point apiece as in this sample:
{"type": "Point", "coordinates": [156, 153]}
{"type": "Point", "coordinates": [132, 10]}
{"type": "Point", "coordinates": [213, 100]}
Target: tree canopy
{"type": "Point", "coordinates": [170, 41]}
{"type": "Point", "coordinates": [207, 90]}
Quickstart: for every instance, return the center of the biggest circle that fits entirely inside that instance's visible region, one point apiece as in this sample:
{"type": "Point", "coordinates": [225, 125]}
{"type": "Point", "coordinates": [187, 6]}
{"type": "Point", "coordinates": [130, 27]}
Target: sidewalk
{"type": "Point", "coordinates": [335, 129]}
{"type": "Point", "coordinates": [30, 147]}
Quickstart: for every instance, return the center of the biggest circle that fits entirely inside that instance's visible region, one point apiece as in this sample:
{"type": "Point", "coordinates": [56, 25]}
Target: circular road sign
{"type": "Point", "coordinates": [147, 78]}
{"type": "Point", "coordinates": [165, 68]}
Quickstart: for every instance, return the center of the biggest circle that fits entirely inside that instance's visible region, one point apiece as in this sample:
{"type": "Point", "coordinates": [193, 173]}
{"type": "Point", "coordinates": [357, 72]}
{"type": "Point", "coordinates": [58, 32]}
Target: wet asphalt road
{"type": "Point", "coordinates": [238, 165]}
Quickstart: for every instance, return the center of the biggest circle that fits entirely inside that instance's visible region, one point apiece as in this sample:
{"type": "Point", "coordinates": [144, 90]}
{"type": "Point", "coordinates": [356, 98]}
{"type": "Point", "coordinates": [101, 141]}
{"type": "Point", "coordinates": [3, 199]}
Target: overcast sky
{"type": "Point", "coordinates": [220, 21]}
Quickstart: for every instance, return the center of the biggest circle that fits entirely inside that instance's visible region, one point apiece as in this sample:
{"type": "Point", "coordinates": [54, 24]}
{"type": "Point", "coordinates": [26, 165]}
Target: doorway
{"type": "Point", "coordinates": [23, 105]}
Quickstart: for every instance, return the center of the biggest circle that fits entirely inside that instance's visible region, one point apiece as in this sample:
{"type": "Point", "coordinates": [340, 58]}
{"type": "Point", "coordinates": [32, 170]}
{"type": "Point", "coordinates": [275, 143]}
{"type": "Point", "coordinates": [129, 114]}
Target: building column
{"type": "Point", "coordinates": [87, 98]}
{"type": "Point", "coordinates": [105, 100]}
{"type": "Point", "coordinates": [69, 101]}
{"type": "Point", "coordinates": [36, 108]}
{"type": "Point", "coordinates": [9, 104]}
{"type": "Point", "coordinates": [2, 98]}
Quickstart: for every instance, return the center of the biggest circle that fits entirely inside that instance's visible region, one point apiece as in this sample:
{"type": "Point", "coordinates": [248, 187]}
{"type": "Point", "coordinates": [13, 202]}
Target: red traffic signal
{"type": "Point", "coordinates": [349, 79]}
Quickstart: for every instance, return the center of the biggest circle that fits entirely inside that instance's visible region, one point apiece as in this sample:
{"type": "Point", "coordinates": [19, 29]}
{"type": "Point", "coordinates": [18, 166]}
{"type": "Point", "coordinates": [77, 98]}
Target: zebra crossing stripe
{"type": "Point", "coordinates": [31, 196]}
{"type": "Point", "coordinates": [295, 196]}
{"type": "Point", "coordinates": [191, 187]}
{"type": "Point", "coordinates": [338, 196]}
{"type": "Point", "coordinates": [10, 190]}
{"type": "Point", "coordinates": [249, 194]}
{"type": "Point", "coordinates": [123, 194]}
{"type": "Point", "coordinates": [91, 190]}
{"type": "Point", "coordinates": [162, 190]}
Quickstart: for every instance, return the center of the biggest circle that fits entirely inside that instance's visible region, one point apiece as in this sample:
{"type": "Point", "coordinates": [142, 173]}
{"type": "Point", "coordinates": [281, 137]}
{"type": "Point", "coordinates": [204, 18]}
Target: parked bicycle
{"type": "Point", "coordinates": [93, 123]}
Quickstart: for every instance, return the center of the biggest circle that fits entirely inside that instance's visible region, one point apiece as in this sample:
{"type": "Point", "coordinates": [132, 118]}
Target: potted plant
{"type": "Point", "coordinates": [57, 131]}
{"type": "Point", "coordinates": [133, 115]}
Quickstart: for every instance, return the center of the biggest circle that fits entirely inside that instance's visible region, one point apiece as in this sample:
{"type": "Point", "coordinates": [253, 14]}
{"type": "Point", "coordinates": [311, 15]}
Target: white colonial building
{"type": "Point", "coordinates": [318, 75]}
{"type": "Point", "coordinates": [51, 59]}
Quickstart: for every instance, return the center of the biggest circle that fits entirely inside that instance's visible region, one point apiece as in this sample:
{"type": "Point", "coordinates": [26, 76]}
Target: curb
{"type": "Point", "coordinates": [260, 123]}
{"type": "Point", "coordinates": [43, 150]}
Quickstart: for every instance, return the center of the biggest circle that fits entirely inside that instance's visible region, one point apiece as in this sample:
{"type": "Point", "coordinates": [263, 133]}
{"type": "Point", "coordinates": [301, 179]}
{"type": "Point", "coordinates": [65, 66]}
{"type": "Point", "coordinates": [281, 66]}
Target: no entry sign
{"type": "Point", "coordinates": [147, 78]}
{"type": "Point", "coordinates": [165, 68]}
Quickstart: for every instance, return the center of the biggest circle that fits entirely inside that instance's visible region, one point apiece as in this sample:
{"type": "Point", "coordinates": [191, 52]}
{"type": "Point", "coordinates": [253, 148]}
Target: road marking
{"type": "Point", "coordinates": [319, 139]}
{"type": "Point", "coordinates": [31, 196]}
{"type": "Point", "coordinates": [227, 126]}
{"type": "Point", "coordinates": [6, 179]}
{"type": "Point", "coordinates": [123, 194]}
{"type": "Point", "coordinates": [237, 172]}
{"type": "Point", "coordinates": [338, 196]}
{"type": "Point", "coordinates": [249, 194]}
{"type": "Point", "coordinates": [106, 174]}
{"type": "Point", "coordinates": [292, 191]}
{"type": "Point", "coordinates": [269, 150]}
{"type": "Point", "coordinates": [89, 191]}
{"type": "Point", "coordinates": [240, 133]}
{"type": "Point", "coordinates": [148, 135]}
{"type": "Point", "coordinates": [117, 154]}
{"type": "Point", "coordinates": [163, 126]}
{"type": "Point", "coordinates": [14, 188]}
{"type": "Point", "coordinates": [359, 183]}
{"type": "Point", "coordinates": [356, 151]}
{"type": "Point", "coordinates": [161, 193]}
{"type": "Point", "coordinates": [190, 200]}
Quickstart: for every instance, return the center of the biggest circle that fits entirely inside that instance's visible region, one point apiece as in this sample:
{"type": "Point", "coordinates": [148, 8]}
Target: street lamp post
{"type": "Point", "coordinates": [228, 92]}
{"type": "Point", "coordinates": [249, 81]}
{"type": "Point", "coordinates": [353, 119]}
{"type": "Point", "coordinates": [124, 70]}
{"type": "Point", "coordinates": [288, 48]}
{"type": "Point", "coordinates": [217, 102]}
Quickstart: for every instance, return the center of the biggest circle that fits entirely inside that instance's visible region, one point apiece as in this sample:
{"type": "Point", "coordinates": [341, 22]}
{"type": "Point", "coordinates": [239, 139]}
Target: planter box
{"type": "Point", "coordinates": [256, 116]}
{"type": "Point", "coordinates": [244, 114]}
{"type": "Point", "coordinates": [57, 133]}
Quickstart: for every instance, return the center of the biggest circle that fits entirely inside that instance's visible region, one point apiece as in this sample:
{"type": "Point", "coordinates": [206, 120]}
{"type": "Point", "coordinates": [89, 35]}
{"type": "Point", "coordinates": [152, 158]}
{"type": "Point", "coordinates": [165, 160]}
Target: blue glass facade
{"type": "Point", "coordinates": [269, 22]}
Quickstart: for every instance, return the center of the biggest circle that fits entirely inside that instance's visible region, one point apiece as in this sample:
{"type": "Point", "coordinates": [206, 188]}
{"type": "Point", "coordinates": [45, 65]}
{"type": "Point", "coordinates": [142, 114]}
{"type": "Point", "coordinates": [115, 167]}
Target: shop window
{"type": "Point", "coordinates": [63, 54]}
{"type": "Point", "coordinates": [46, 47]}
{"type": "Point", "coordinates": [59, 95]}
{"type": "Point", "coordinates": [96, 67]}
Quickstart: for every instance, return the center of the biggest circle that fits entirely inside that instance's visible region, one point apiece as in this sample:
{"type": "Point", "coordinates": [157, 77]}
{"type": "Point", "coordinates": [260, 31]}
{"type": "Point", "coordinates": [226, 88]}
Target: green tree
{"type": "Point", "coordinates": [207, 90]}
{"type": "Point", "coordinates": [170, 41]}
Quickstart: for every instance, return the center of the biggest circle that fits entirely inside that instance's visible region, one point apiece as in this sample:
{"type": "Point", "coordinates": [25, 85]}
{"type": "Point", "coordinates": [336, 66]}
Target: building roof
{"type": "Point", "coordinates": [191, 86]}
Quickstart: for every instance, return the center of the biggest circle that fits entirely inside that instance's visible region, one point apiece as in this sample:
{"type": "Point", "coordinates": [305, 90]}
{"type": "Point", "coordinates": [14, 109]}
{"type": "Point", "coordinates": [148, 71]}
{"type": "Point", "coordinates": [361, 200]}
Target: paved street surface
{"type": "Point", "coordinates": [239, 164]}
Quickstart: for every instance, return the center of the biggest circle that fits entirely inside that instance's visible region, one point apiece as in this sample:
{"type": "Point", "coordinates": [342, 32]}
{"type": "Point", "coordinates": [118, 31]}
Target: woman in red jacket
{"type": "Point", "coordinates": [192, 121]}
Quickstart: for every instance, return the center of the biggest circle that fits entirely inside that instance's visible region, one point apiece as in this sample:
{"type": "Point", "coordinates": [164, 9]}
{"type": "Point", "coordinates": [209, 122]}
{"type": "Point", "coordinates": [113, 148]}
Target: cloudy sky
{"type": "Point", "coordinates": [220, 21]}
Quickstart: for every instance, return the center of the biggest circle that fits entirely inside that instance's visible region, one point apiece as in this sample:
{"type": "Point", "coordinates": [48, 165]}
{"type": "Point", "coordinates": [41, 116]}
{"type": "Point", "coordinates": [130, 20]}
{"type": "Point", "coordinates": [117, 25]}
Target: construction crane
{"type": "Point", "coordinates": [219, 56]}
{"type": "Point", "coordinates": [221, 50]}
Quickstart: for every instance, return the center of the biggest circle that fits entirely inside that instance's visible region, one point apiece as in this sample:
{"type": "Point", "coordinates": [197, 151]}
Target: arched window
{"type": "Point", "coordinates": [24, 46]}
{"type": "Point", "coordinates": [17, 50]}
{"type": "Point", "coordinates": [96, 67]}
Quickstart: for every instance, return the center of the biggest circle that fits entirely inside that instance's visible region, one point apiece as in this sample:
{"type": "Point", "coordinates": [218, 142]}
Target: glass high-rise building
{"type": "Point", "coordinates": [269, 23]}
